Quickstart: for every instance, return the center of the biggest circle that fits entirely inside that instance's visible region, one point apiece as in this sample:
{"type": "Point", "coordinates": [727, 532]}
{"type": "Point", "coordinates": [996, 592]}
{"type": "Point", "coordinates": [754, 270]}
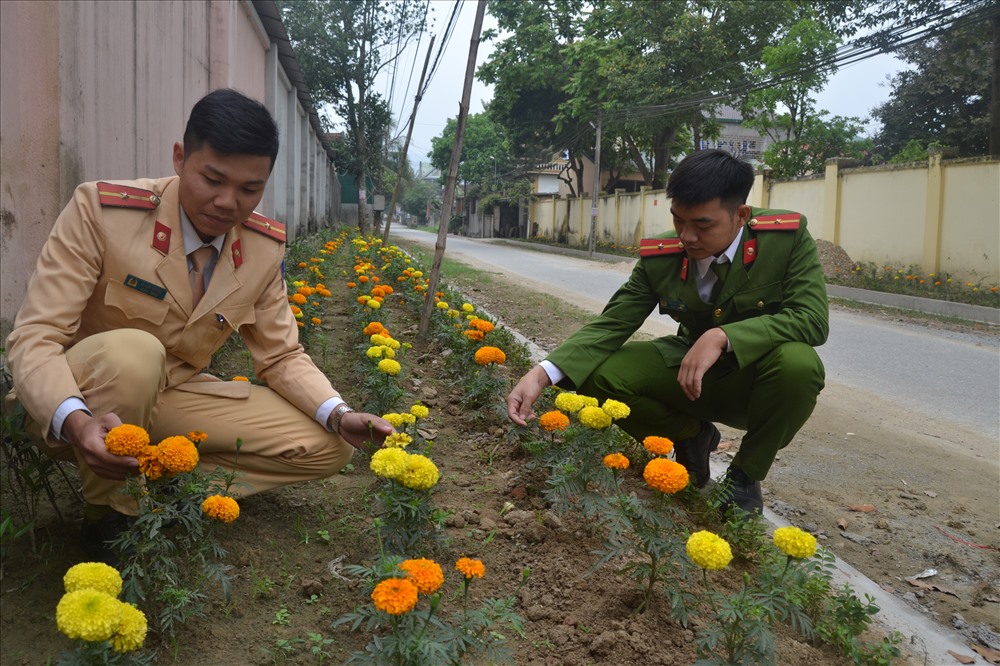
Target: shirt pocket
{"type": "Point", "coordinates": [136, 305]}
{"type": "Point", "coordinates": [763, 300]}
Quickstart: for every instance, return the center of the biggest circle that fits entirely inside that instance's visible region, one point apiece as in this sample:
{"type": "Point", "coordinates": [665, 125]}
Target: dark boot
{"type": "Point", "coordinates": [96, 537]}
{"type": "Point", "coordinates": [743, 492]}
{"type": "Point", "coordinates": [693, 453]}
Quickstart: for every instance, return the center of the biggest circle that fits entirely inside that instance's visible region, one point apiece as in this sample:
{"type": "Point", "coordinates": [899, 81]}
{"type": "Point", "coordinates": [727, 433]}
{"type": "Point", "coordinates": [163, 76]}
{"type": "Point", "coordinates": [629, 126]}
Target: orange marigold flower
{"type": "Point", "coordinates": [666, 475]}
{"type": "Point", "coordinates": [296, 310]}
{"type": "Point", "coordinates": [373, 328]}
{"type": "Point", "coordinates": [659, 446]}
{"type": "Point", "coordinates": [149, 463]}
{"type": "Point", "coordinates": [425, 574]}
{"type": "Point", "coordinates": [395, 596]}
{"type": "Point", "coordinates": [616, 461]}
{"type": "Point", "coordinates": [298, 299]}
{"type": "Point", "coordinates": [240, 378]}
{"type": "Point", "coordinates": [126, 440]}
{"type": "Point", "coordinates": [375, 278]}
{"type": "Point", "coordinates": [300, 324]}
{"type": "Point", "coordinates": [362, 278]}
{"type": "Point", "coordinates": [352, 285]}
{"type": "Point", "coordinates": [487, 355]}
{"type": "Point", "coordinates": [470, 568]}
{"type": "Point", "coordinates": [306, 291]}
{"type": "Point", "coordinates": [197, 436]}
{"type": "Point", "coordinates": [316, 320]}
{"type": "Point", "coordinates": [554, 420]}
{"type": "Point", "coordinates": [302, 264]}
{"type": "Point", "coordinates": [474, 335]}
{"type": "Point", "coordinates": [481, 325]}
{"type": "Point", "coordinates": [221, 508]}
{"type": "Point", "coordinates": [177, 454]}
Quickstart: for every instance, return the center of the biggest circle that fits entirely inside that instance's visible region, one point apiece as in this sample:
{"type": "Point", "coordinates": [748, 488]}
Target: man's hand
{"type": "Point", "coordinates": [358, 428]}
{"type": "Point", "coordinates": [86, 433]}
{"type": "Point", "coordinates": [702, 356]}
{"type": "Point", "coordinates": [525, 394]}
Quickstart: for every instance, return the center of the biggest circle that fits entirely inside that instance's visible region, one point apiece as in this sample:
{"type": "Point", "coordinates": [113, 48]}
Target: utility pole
{"type": "Point", "coordinates": [406, 144]}
{"type": "Point", "coordinates": [456, 157]}
{"type": "Point", "coordinates": [597, 187]}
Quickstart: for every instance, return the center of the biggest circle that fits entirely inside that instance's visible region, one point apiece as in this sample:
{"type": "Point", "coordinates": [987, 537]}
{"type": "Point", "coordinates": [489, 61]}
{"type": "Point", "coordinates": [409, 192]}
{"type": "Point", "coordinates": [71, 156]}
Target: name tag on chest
{"type": "Point", "coordinates": [148, 288]}
{"type": "Point", "coordinates": [668, 305]}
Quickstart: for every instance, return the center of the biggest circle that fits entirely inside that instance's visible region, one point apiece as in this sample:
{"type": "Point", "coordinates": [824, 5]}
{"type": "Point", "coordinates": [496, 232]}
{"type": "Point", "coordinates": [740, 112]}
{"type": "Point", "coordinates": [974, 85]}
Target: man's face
{"type": "Point", "coordinates": [708, 229]}
{"type": "Point", "coordinates": [219, 191]}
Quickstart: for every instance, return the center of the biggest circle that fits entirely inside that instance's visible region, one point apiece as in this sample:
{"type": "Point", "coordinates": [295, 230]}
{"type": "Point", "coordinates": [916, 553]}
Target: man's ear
{"type": "Point", "coordinates": [743, 214]}
{"type": "Point", "coordinates": [178, 157]}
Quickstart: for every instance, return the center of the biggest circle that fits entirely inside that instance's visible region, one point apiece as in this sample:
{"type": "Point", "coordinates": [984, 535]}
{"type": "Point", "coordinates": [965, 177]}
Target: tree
{"type": "Point", "coordinates": [420, 197]}
{"type": "Point", "coordinates": [819, 140]}
{"type": "Point", "coordinates": [341, 46]}
{"type": "Point", "coordinates": [484, 152]}
{"type": "Point", "coordinates": [943, 98]}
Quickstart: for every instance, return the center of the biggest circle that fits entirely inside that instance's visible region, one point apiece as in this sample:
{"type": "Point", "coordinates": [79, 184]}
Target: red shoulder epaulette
{"type": "Point", "coordinates": [123, 196]}
{"type": "Point", "coordinates": [652, 247]}
{"type": "Point", "coordinates": [778, 222]}
{"type": "Point", "coordinates": [266, 226]}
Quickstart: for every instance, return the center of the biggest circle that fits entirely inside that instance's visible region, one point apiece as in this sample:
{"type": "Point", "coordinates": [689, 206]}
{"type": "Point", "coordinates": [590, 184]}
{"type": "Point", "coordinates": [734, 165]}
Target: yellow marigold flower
{"type": "Point", "coordinates": [569, 402]}
{"type": "Point", "coordinates": [378, 339]}
{"type": "Point", "coordinates": [709, 551]}
{"type": "Point", "coordinates": [391, 342]}
{"type": "Point", "coordinates": [487, 355]}
{"type": "Point", "coordinates": [616, 461]}
{"type": "Point", "coordinates": [470, 568]}
{"type": "Point", "coordinates": [88, 615]}
{"type": "Point", "coordinates": [588, 401]}
{"type": "Point", "coordinates": [197, 436]}
{"type": "Point", "coordinates": [393, 418]}
{"type": "Point", "coordinates": [93, 576]}
{"type": "Point", "coordinates": [388, 352]}
{"type": "Point", "coordinates": [131, 631]}
{"type": "Point", "coordinates": [389, 366]}
{"type": "Point", "coordinates": [419, 411]}
{"type": "Point", "coordinates": [425, 574]}
{"type": "Point", "coordinates": [452, 314]}
{"type": "Point", "coordinates": [481, 324]}
{"type": "Point", "coordinates": [666, 475]}
{"type": "Point", "coordinates": [468, 307]}
{"type": "Point", "coordinates": [297, 283]}
{"type": "Point", "coordinates": [594, 417]}
{"type": "Point", "coordinates": [221, 508]}
{"type": "Point", "coordinates": [240, 378]}
{"type": "Point", "coordinates": [373, 304]}
{"type": "Point", "coordinates": [418, 274]}
{"type": "Point", "coordinates": [421, 473]}
{"type": "Point", "coordinates": [395, 596]}
{"type": "Point", "coordinates": [659, 446]}
{"type": "Point", "coordinates": [389, 463]}
{"type": "Point", "coordinates": [553, 420]}
{"type": "Point", "coordinates": [795, 542]}
{"type": "Point", "coordinates": [126, 440]}
{"type": "Point", "coordinates": [374, 352]}
{"type": "Point", "coordinates": [177, 454]}
{"type": "Point", "coordinates": [149, 464]}
{"type": "Point", "coordinates": [474, 335]}
{"type": "Point", "coordinates": [407, 417]}
{"type": "Point", "coordinates": [299, 299]}
{"type": "Point", "coordinates": [615, 409]}
{"type": "Point", "coordinates": [399, 440]}
{"type": "Point", "coordinates": [441, 305]}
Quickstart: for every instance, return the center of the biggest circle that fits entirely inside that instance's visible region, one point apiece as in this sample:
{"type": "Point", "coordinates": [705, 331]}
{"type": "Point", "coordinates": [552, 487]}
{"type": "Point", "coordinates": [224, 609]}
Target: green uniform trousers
{"type": "Point", "coordinates": [770, 399]}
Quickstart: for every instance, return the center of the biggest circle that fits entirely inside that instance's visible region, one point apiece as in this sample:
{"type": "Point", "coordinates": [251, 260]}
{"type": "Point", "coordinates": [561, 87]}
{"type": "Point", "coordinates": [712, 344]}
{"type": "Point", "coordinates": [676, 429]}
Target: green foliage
{"type": "Point", "coordinates": [102, 654]}
{"type": "Point", "coordinates": [912, 281]}
{"type": "Point", "coordinates": [421, 197]}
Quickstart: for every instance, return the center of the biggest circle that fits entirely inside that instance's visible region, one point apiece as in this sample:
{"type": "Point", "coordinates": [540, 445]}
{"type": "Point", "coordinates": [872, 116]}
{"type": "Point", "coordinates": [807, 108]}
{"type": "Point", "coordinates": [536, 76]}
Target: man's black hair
{"type": "Point", "coordinates": [232, 124]}
{"type": "Point", "coordinates": [711, 174]}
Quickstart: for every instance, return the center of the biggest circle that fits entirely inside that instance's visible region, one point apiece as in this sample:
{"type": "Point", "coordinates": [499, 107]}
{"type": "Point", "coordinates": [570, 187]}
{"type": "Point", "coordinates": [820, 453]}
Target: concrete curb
{"type": "Point", "coordinates": [901, 301]}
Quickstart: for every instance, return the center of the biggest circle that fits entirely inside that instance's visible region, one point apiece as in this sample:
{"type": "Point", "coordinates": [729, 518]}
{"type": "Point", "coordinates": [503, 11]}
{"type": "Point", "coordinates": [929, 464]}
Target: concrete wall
{"type": "Point", "coordinates": [941, 216]}
{"type": "Point", "coordinates": [102, 89]}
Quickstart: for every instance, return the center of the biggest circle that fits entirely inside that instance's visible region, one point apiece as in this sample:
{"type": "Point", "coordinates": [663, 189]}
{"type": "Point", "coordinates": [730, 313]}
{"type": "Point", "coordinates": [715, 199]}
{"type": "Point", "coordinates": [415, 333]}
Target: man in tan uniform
{"type": "Point", "coordinates": [138, 284]}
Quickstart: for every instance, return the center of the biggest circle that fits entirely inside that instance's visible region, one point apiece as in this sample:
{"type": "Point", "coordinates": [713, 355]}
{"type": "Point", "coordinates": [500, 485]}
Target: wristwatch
{"type": "Point", "coordinates": [338, 414]}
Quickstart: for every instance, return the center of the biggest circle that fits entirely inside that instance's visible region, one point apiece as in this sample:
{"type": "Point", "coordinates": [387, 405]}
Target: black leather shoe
{"type": "Point", "coordinates": [743, 492]}
{"type": "Point", "coordinates": [693, 453]}
{"type": "Point", "coordinates": [96, 537]}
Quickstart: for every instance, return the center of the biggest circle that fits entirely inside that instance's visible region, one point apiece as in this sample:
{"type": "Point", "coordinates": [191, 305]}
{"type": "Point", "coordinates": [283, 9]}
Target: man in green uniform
{"type": "Point", "coordinates": [747, 289]}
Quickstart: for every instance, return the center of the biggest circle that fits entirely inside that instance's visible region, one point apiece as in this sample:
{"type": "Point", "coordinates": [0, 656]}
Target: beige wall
{"type": "Point", "coordinates": [102, 89]}
{"type": "Point", "coordinates": [942, 216]}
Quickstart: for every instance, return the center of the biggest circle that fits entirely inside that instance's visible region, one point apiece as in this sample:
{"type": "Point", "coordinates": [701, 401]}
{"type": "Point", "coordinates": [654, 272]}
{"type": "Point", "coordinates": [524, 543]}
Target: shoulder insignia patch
{"type": "Point", "coordinates": [654, 247]}
{"type": "Point", "coordinates": [266, 226]}
{"type": "Point", "coordinates": [123, 196]}
{"type": "Point", "coordinates": [778, 222]}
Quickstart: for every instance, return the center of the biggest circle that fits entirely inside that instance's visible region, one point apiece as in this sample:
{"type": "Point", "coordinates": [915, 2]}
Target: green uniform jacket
{"type": "Point", "coordinates": [772, 295]}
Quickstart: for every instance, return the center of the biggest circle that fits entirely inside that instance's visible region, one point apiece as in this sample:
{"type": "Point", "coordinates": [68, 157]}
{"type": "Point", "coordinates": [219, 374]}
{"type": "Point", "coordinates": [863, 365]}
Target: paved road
{"type": "Point", "coordinates": [940, 374]}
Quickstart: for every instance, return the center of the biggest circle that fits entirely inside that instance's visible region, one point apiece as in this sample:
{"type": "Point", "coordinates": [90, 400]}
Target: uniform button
{"type": "Point", "coordinates": [750, 250]}
{"type": "Point", "coordinates": [717, 313]}
{"type": "Point", "coordinates": [155, 200]}
{"type": "Point", "coordinates": [760, 304]}
{"type": "Point", "coordinates": [753, 222]}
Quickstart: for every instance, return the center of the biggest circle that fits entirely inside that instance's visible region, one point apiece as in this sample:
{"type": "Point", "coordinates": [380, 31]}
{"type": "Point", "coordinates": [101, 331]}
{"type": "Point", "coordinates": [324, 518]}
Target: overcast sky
{"type": "Point", "coordinates": [853, 91]}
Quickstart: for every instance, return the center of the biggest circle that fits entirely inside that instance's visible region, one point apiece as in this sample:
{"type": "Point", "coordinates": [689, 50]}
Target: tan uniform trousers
{"type": "Point", "coordinates": [122, 372]}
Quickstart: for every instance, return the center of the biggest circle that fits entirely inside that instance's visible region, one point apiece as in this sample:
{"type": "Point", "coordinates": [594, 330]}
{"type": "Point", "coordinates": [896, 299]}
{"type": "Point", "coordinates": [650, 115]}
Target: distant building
{"type": "Point", "coordinates": [740, 140]}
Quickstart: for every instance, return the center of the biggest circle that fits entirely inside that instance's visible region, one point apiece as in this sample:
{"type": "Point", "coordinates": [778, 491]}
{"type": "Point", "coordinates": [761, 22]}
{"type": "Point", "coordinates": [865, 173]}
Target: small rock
{"type": "Point", "coordinates": [311, 586]}
{"type": "Point", "coordinates": [454, 520]}
{"type": "Point", "coordinates": [859, 539]}
{"type": "Point", "coordinates": [518, 517]}
{"type": "Point", "coordinates": [537, 612]}
{"type": "Point", "coordinates": [882, 524]}
{"type": "Point", "coordinates": [519, 492]}
{"type": "Point", "coordinates": [471, 517]}
{"type": "Point", "coordinates": [487, 524]}
{"type": "Point", "coordinates": [551, 520]}
{"type": "Point", "coordinates": [909, 496]}
{"type": "Point", "coordinates": [958, 621]}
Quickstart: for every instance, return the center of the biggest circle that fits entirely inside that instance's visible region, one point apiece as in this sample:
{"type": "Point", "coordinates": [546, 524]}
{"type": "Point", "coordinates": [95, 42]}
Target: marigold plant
{"type": "Point", "coordinates": [93, 576]}
{"type": "Point", "coordinates": [88, 615]}
{"type": "Point", "coordinates": [424, 573]}
{"type": "Point", "coordinates": [487, 355]}
{"type": "Point", "coordinates": [389, 366]}
{"type": "Point", "coordinates": [126, 440]}
{"type": "Point", "coordinates": [554, 420]}
{"type": "Point", "coordinates": [221, 508]}
{"type": "Point", "coordinates": [615, 409]}
{"type": "Point", "coordinates": [395, 596]}
{"type": "Point", "coordinates": [470, 568]}
{"type": "Point", "coordinates": [131, 631]}
{"type": "Point", "coordinates": [594, 417]}
{"type": "Point", "coordinates": [616, 461]}
{"type": "Point", "coordinates": [709, 551]}
{"type": "Point", "coordinates": [177, 454]}
{"type": "Point", "coordinates": [795, 542]}
{"type": "Point", "coordinates": [659, 446]}
{"type": "Point", "coordinates": [666, 475]}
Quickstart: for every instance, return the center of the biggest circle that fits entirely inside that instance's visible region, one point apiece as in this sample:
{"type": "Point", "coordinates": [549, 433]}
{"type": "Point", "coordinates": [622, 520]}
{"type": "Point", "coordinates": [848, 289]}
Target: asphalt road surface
{"type": "Point", "coordinates": [940, 374]}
